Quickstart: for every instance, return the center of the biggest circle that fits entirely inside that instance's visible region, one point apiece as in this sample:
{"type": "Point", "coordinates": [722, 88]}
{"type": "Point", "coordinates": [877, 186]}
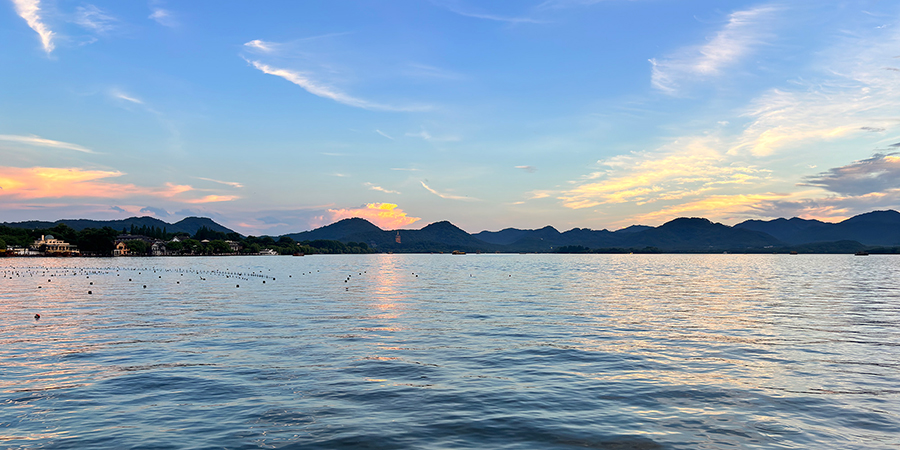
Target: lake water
{"type": "Point", "coordinates": [440, 351]}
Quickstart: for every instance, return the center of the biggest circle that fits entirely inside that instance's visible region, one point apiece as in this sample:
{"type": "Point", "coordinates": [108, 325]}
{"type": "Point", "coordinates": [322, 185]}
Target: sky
{"type": "Point", "coordinates": [282, 116]}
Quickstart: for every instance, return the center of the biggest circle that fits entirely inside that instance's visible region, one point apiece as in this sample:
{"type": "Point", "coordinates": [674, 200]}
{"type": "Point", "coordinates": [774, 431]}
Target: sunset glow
{"type": "Point", "coordinates": [385, 215]}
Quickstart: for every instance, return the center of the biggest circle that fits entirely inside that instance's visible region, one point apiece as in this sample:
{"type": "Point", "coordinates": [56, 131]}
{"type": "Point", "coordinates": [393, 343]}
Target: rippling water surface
{"type": "Point", "coordinates": [440, 351]}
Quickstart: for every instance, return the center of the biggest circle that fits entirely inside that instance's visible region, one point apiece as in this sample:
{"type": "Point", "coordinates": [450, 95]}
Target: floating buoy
{"type": "Point", "coordinates": [237, 285]}
{"type": "Point", "coordinates": [145, 286]}
{"type": "Point", "coordinates": [37, 317]}
{"type": "Point", "coordinates": [89, 292]}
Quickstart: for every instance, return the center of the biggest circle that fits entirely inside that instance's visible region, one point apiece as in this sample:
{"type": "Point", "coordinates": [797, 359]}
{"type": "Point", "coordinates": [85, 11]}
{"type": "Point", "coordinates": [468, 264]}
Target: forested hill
{"type": "Point", "coordinates": [189, 225]}
{"type": "Point", "coordinates": [866, 231]}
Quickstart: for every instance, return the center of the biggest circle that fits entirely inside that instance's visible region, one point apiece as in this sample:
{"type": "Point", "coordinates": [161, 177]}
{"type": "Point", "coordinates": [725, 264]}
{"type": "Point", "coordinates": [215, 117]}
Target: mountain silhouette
{"type": "Point", "coordinates": [188, 225]}
{"type": "Point", "coordinates": [872, 228]}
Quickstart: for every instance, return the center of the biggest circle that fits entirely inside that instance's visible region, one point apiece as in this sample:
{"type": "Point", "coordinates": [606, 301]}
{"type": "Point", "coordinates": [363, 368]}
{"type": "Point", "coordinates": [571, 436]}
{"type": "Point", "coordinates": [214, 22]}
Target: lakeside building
{"type": "Point", "coordinates": [156, 247]}
{"type": "Point", "coordinates": [49, 245]}
{"type": "Point", "coordinates": [21, 251]}
{"type": "Point", "coordinates": [235, 246]}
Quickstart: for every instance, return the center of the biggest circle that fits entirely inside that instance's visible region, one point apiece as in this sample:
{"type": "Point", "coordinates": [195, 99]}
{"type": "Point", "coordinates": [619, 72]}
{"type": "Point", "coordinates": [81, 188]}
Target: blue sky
{"type": "Point", "coordinates": [278, 117]}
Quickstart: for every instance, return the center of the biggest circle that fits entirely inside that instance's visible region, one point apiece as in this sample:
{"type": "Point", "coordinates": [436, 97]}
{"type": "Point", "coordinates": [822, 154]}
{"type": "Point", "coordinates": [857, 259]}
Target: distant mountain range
{"type": "Point", "coordinates": [874, 229]}
{"type": "Point", "coordinates": [188, 225]}
{"type": "Point", "coordinates": [865, 231]}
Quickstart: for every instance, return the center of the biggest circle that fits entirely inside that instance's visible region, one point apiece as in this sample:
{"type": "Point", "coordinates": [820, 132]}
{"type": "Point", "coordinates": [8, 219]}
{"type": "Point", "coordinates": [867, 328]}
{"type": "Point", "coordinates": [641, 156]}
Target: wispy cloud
{"type": "Point", "coordinates": [559, 4]}
{"type": "Point", "coordinates": [256, 44]}
{"type": "Point", "coordinates": [426, 71]}
{"type": "Point", "coordinates": [30, 11]}
{"type": "Point", "coordinates": [384, 215]}
{"type": "Point", "coordinates": [851, 98]}
{"type": "Point", "coordinates": [313, 87]}
{"type": "Point", "coordinates": [227, 183]}
{"type": "Point", "coordinates": [446, 196]}
{"type": "Point", "coordinates": [424, 134]}
{"type": "Point", "coordinates": [379, 188]}
{"type": "Point", "coordinates": [41, 142]}
{"type": "Point", "coordinates": [116, 93]}
{"type": "Point", "coordinates": [95, 19]}
{"type": "Point", "coordinates": [529, 169]}
{"type": "Point", "coordinates": [163, 17]}
{"type": "Point", "coordinates": [539, 193]}
{"type": "Point", "coordinates": [744, 32]}
{"type": "Point", "coordinates": [384, 134]}
{"type": "Point", "coordinates": [455, 6]}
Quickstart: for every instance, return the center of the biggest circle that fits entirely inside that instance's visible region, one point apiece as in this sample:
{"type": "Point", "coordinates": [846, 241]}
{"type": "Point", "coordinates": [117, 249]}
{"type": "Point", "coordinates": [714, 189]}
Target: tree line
{"type": "Point", "coordinates": [101, 241]}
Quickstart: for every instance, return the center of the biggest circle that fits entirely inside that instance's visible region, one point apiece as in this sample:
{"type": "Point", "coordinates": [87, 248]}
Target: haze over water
{"type": "Point", "coordinates": [439, 351]}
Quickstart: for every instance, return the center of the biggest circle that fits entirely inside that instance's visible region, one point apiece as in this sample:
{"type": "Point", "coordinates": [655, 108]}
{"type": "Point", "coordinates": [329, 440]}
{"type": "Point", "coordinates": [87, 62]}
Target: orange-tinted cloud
{"type": "Point", "coordinates": [55, 183]}
{"type": "Point", "coordinates": [51, 182]}
{"type": "Point", "coordinates": [686, 168]}
{"type": "Point", "coordinates": [385, 215]}
{"type": "Point", "coordinates": [213, 199]}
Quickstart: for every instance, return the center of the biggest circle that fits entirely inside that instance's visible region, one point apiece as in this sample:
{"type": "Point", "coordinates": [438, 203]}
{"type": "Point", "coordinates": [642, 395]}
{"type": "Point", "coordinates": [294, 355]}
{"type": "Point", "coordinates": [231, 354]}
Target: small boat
{"type": "Point", "coordinates": [457, 252]}
{"type": "Point", "coordinates": [862, 253]}
{"type": "Point", "coordinates": [298, 254]}
{"type": "Point", "coordinates": [793, 252]}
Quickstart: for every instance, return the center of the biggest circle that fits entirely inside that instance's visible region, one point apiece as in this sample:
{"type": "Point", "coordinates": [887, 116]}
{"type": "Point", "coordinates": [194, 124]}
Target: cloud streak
{"type": "Point", "coordinates": [123, 96]}
{"type": "Point", "coordinates": [256, 44]}
{"type": "Point", "coordinates": [93, 18]}
{"type": "Point", "coordinates": [30, 11]}
{"type": "Point", "coordinates": [227, 183]}
{"type": "Point", "coordinates": [744, 32]}
{"type": "Point", "coordinates": [313, 87]}
{"type": "Point", "coordinates": [455, 7]}
{"type": "Point", "coordinates": [379, 188]}
{"type": "Point", "coordinates": [446, 196]}
{"type": "Point", "coordinates": [41, 142]}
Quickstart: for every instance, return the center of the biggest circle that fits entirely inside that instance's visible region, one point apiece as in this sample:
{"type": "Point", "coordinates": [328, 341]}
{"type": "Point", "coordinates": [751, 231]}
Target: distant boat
{"type": "Point", "coordinates": [298, 254]}
{"type": "Point", "coordinates": [457, 252]}
{"type": "Point", "coordinates": [793, 252]}
{"type": "Point", "coordinates": [862, 253]}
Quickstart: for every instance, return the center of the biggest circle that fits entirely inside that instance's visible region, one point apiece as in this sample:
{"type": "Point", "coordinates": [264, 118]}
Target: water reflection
{"type": "Point", "coordinates": [436, 351]}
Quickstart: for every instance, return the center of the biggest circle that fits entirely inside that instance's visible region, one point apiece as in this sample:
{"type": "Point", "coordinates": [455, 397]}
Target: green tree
{"type": "Point", "coordinates": [97, 241]}
{"type": "Point", "coordinates": [219, 246]}
{"type": "Point", "coordinates": [137, 247]}
{"type": "Point", "coordinates": [63, 232]}
{"type": "Point", "coordinates": [191, 245]}
{"type": "Point", "coordinates": [175, 246]}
